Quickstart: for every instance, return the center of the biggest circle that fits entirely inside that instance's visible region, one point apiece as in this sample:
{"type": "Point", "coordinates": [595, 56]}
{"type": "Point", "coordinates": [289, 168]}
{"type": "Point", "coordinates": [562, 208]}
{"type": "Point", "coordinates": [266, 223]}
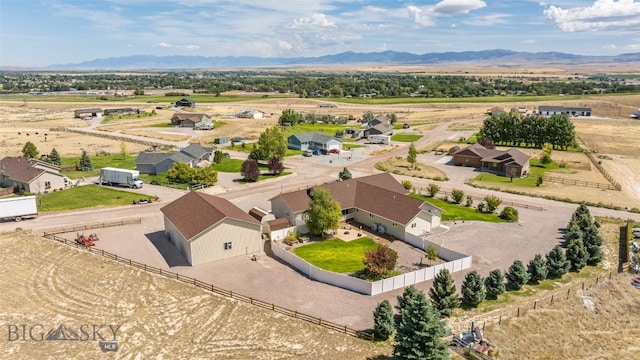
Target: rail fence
{"type": "Point", "coordinates": [604, 172]}
{"type": "Point", "coordinates": [216, 290]}
{"type": "Point", "coordinates": [93, 226]}
{"type": "Point", "coordinates": [108, 136]}
{"type": "Point", "coordinates": [580, 183]}
{"type": "Point", "coordinates": [544, 302]}
{"type": "Point", "coordinates": [424, 192]}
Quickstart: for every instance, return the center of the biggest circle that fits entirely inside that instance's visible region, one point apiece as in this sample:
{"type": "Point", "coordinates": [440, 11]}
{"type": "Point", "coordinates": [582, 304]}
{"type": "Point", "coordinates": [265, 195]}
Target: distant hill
{"type": "Point", "coordinates": [495, 57]}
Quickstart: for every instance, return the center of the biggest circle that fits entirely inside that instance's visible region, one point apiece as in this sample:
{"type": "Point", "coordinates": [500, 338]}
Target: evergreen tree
{"type": "Point", "coordinates": [473, 289]}
{"type": "Point", "coordinates": [85, 161]}
{"type": "Point", "coordinates": [443, 293]}
{"type": "Point", "coordinates": [54, 157]}
{"type": "Point", "coordinates": [557, 263]}
{"type": "Point", "coordinates": [383, 325]}
{"type": "Point", "coordinates": [516, 276]}
{"type": "Point", "coordinates": [537, 269]}
{"type": "Point", "coordinates": [494, 284]}
{"type": "Point", "coordinates": [29, 150]}
{"type": "Point", "coordinates": [573, 232]}
{"type": "Point", "coordinates": [345, 174]}
{"type": "Point", "coordinates": [419, 330]}
{"type": "Point", "coordinates": [577, 254]}
{"type": "Point", "coordinates": [592, 242]}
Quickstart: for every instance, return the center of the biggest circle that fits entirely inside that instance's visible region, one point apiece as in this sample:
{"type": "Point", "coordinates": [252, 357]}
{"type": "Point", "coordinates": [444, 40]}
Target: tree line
{"type": "Point", "coordinates": [531, 130]}
{"type": "Point", "coordinates": [313, 84]}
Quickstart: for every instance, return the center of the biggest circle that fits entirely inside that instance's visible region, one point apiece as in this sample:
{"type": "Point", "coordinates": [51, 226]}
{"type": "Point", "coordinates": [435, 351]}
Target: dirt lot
{"type": "Point", "coordinates": [159, 317]}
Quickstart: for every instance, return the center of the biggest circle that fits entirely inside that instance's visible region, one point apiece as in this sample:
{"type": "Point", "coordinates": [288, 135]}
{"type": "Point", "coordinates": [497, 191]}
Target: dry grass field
{"type": "Point", "coordinates": [159, 317]}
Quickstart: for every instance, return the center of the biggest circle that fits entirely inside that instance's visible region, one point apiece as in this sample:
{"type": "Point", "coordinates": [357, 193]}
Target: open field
{"type": "Point", "coordinates": [158, 317]}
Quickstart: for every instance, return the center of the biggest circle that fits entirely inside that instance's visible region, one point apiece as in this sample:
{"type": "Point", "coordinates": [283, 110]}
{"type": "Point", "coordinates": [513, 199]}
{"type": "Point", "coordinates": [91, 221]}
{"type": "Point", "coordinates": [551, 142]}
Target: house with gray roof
{"type": "Point", "coordinates": [313, 141]}
{"type": "Point", "coordinates": [378, 202]}
{"type": "Point", "coordinates": [191, 120]}
{"type": "Point", "coordinates": [511, 162]}
{"type": "Point", "coordinates": [158, 163]}
{"type": "Point", "coordinates": [378, 126]}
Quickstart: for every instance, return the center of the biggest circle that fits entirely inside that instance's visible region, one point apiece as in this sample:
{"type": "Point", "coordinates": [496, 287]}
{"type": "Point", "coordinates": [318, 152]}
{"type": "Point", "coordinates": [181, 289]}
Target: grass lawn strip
{"type": "Point", "coordinates": [458, 212]}
{"type": "Point", "coordinates": [337, 255]}
{"type": "Point", "coordinates": [87, 196]}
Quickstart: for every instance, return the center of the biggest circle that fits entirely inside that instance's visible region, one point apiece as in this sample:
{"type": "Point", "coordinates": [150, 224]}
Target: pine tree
{"type": "Point", "coordinates": [473, 289]}
{"type": "Point", "coordinates": [443, 293]}
{"type": "Point", "coordinates": [419, 330]}
{"type": "Point", "coordinates": [494, 284]}
{"type": "Point", "coordinates": [54, 157]}
{"type": "Point", "coordinates": [577, 254]}
{"type": "Point", "coordinates": [345, 174]}
{"type": "Point", "coordinates": [85, 161]}
{"type": "Point", "coordinates": [537, 269]}
{"type": "Point", "coordinates": [516, 276]}
{"type": "Point", "coordinates": [592, 241]}
{"type": "Point", "coordinates": [557, 263]}
{"type": "Point", "coordinates": [383, 325]}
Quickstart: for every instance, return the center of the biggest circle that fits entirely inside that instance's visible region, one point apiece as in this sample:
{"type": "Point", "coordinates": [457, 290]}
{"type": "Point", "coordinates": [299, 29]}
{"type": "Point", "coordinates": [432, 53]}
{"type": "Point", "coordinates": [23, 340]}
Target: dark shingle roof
{"type": "Point", "coordinates": [150, 158]}
{"type": "Point", "coordinates": [380, 194]}
{"type": "Point", "coordinates": [278, 224]}
{"type": "Point", "coordinates": [195, 212]}
{"type": "Point", "coordinates": [494, 155]}
{"type": "Point", "coordinates": [20, 168]}
{"type": "Point", "coordinates": [317, 137]}
{"type": "Point", "coordinates": [195, 151]}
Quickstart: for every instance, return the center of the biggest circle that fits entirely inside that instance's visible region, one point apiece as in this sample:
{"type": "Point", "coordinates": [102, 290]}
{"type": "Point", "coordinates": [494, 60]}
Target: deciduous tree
{"type": "Point", "coordinates": [290, 117]}
{"type": "Point", "coordinates": [29, 150]}
{"type": "Point", "coordinates": [271, 144]}
{"type": "Point", "coordinates": [324, 212]}
{"type": "Point", "coordinates": [250, 170]}
{"type": "Point", "coordinates": [412, 157]}
{"type": "Point", "coordinates": [380, 261]}
{"type": "Point", "coordinates": [275, 165]}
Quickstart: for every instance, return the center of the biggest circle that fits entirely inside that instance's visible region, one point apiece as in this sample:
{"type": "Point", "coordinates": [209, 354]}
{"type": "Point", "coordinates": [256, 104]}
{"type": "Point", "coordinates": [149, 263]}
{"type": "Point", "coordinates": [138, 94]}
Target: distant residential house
{"type": "Point", "coordinates": [495, 111]}
{"type": "Point", "coordinates": [313, 141]}
{"type": "Point", "coordinates": [562, 110]}
{"type": "Point", "coordinates": [186, 102]}
{"type": "Point", "coordinates": [123, 111]}
{"type": "Point", "coordinates": [378, 201]}
{"type": "Point", "coordinates": [31, 175]}
{"type": "Point", "coordinates": [378, 126]}
{"type": "Point", "coordinates": [158, 163]}
{"type": "Point", "coordinates": [511, 162]}
{"type": "Point", "coordinates": [190, 120]}
{"type": "Point", "coordinates": [206, 228]}
{"type": "Point", "coordinates": [93, 112]}
{"type": "Point", "coordinates": [635, 115]}
{"type": "Point", "coordinates": [250, 114]}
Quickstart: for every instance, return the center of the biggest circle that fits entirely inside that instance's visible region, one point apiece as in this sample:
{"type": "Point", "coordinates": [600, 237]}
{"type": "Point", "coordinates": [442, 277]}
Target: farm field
{"type": "Point", "coordinates": [158, 317]}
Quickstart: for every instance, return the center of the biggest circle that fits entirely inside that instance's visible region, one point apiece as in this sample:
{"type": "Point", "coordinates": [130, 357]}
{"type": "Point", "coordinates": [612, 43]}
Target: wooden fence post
{"type": "Point", "coordinates": [551, 299]}
{"type": "Point", "coordinates": [535, 304]}
{"type": "Point", "coordinates": [518, 312]}
{"type": "Point", "coordinates": [582, 286]}
{"type": "Point", "coordinates": [500, 320]}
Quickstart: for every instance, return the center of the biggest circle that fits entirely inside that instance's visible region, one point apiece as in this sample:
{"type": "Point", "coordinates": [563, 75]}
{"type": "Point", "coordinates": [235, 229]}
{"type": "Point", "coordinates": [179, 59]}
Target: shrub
{"type": "Point", "coordinates": [433, 189]}
{"type": "Point", "coordinates": [492, 203]}
{"type": "Point", "coordinates": [510, 214]}
{"type": "Point", "coordinates": [407, 184]}
{"type": "Point", "coordinates": [469, 202]}
{"type": "Point", "coordinates": [457, 195]}
{"type": "Point", "coordinates": [539, 180]}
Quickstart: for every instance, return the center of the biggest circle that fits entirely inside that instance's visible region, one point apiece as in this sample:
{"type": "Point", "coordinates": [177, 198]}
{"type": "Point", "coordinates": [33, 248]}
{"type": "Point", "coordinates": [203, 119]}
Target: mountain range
{"type": "Point", "coordinates": [497, 57]}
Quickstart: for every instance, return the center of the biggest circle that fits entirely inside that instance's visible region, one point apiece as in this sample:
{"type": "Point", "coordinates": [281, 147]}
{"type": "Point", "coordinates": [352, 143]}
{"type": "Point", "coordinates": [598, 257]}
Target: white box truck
{"type": "Point", "coordinates": [379, 139]}
{"type": "Point", "coordinates": [18, 208]}
{"type": "Point", "coordinates": [122, 177]}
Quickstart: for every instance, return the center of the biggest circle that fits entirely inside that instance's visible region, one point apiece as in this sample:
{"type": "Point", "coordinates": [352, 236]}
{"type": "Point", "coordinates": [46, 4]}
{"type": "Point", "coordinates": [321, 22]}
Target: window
{"type": "Point", "coordinates": [371, 216]}
{"type": "Point", "coordinates": [47, 184]}
{"type": "Point", "coordinates": [394, 224]}
{"type": "Point", "coordinates": [228, 245]}
{"type": "Point", "coordinates": [413, 225]}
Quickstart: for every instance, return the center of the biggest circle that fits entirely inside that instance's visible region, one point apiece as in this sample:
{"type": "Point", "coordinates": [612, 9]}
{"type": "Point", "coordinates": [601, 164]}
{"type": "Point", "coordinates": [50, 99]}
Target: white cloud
{"type": "Point", "coordinates": [285, 45]}
{"type": "Point", "coordinates": [528, 41]}
{"type": "Point", "coordinates": [449, 7]}
{"type": "Point", "coordinates": [488, 20]}
{"type": "Point", "coordinates": [419, 16]}
{"type": "Point", "coordinates": [191, 47]}
{"type": "Point", "coordinates": [602, 15]}
{"type": "Point", "coordinates": [633, 47]}
{"type": "Point", "coordinates": [163, 45]}
{"type": "Point", "coordinates": [610, 46]}
{"type": "Point", "coordinates": [314, 20]}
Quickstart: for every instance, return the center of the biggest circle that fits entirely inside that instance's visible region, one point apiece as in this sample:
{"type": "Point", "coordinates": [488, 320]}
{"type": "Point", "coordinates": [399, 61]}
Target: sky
{"type": "Point", "coordinates": [37, 33]}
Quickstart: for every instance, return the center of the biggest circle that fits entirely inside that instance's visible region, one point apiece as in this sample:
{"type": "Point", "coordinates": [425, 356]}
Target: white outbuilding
{"type": "Point", "coordinates": [207, 228]}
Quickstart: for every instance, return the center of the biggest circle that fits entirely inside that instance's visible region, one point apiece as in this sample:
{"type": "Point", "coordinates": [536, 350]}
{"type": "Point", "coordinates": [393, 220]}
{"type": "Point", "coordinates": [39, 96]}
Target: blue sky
{"type": "Point", "coordinates": [45, 32]}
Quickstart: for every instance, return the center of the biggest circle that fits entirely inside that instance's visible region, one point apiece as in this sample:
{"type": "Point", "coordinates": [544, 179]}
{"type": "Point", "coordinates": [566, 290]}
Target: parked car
{"type": "Point", "coordinates": [324, 152]}
{"type": "Point", "coordinates": [335, 151]}
{"type": "Point", "coordinates": [307, 153]}
{"type": "Point", "coordinates": [316, 152]}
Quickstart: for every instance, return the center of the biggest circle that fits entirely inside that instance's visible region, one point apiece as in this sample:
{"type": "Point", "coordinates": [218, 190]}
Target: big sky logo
{"type": "Point", "coordinates": [105, 334]}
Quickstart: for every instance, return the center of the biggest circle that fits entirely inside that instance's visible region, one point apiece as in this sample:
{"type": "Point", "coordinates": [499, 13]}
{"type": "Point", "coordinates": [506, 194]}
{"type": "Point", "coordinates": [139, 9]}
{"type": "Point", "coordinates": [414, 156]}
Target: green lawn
{"type": "Point", "coordinates": [458, 212]}
{"type": "Point", "coordinates": [87, 196]}
{"type": "Point", "coordinates": [98, 161]}
{"type": "Point", "coordinates": [114, 119]}
{"type": "Point", "coordinates": [535, 170]}
{"type": "Point", "coordinates": [406, 137]}
{"type": "Point", "coordinates": [337, 255]}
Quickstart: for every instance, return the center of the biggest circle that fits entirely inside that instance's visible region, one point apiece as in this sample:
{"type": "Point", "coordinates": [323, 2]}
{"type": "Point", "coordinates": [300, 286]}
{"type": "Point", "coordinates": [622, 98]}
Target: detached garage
{"type": "Point", "coordinates": [206, 228]}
